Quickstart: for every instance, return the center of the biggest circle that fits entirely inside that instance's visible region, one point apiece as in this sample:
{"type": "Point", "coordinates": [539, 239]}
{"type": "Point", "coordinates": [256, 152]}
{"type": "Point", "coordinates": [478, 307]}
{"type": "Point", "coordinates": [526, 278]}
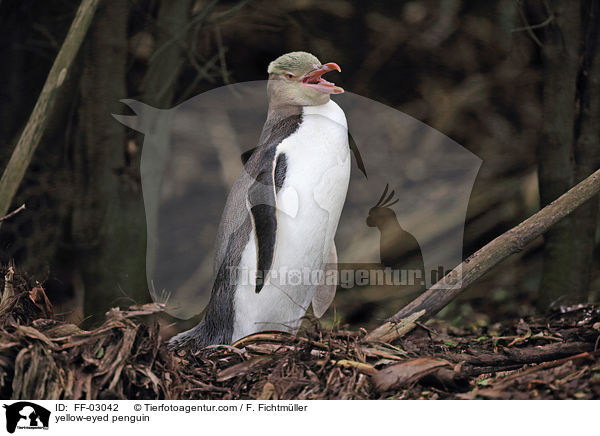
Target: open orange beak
{"type": "Point", "coordinates": [314, 79]}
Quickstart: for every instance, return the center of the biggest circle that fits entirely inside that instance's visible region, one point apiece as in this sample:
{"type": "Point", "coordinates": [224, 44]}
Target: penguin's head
{"type": "Point", "coordinates": [295, 79]}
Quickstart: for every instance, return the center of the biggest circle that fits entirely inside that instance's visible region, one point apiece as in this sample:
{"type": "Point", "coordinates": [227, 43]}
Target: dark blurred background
{"type": "Point", "coordinates": [490, 75]}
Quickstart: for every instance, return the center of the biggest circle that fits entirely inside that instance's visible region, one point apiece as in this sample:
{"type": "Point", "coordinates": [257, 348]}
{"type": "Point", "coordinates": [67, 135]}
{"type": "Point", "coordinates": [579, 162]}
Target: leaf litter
{"type": "Point", "coordinates": [540, 357]}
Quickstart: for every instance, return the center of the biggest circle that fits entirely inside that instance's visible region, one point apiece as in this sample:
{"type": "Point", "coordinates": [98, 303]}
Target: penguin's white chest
{"type": "Point", "coordinates": [309, 206]}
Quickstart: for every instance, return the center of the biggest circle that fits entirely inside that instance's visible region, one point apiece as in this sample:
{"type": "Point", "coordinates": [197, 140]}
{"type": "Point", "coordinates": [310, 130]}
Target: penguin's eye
{"type": "Point", "coordinates": [289, 76]}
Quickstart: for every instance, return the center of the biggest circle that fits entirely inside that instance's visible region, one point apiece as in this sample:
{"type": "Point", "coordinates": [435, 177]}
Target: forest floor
{"type": "Point", "coordinates": [540, 357]}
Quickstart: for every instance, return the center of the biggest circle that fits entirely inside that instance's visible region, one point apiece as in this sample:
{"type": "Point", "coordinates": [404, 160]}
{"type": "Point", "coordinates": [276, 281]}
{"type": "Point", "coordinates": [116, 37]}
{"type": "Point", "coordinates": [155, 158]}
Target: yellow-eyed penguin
{"type": "Point", "coordinates": [282, 213]}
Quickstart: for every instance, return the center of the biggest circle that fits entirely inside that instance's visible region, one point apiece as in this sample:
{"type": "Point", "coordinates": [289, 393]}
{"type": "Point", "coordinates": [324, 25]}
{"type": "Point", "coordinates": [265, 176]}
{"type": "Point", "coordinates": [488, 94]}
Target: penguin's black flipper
{"type": "Point", "coordinates": [264, 218]}
{"type": "Point", "coordinates": [245, 156]}
{"type": "Point", "coordinates": [353, 148]}
{"type": "Point", "coordinates": [262, 203]}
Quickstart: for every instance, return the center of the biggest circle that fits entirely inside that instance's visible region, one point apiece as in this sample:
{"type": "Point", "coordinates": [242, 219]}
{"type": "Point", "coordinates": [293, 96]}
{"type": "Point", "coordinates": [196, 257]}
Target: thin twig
{"type": "Point", "coordinates": [228, 13]}
{"type": "Point", "coordinates": [535, 26]}
{"type": "Point", "coordinates": [527, 27]}
{"type": "Point", "coordinates": [13, 213]}
{"type": "Point", "coordinates": [180, 36]}
{"type": "Point", "coordinates": [9, 291]}
{"type": "Point", "coordinates": [221, 48]}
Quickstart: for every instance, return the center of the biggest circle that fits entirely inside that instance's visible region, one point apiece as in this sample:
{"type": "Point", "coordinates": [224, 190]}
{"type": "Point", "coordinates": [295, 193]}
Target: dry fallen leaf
{"type": "Point", "coordinates": [402, 374]}
{"type": "Point", "coordinates": [268, 391]}
{"type": "Point", "coordinates": [34, 334]}
{"type": "Point", "coordinates": [365, 368]}
{"type": "Point", "coordinates": [39, 298]}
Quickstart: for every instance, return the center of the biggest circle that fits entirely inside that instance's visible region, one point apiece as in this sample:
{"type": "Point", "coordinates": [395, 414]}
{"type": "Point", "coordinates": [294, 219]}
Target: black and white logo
{"type": "Point", "coordinates": [24, 415]}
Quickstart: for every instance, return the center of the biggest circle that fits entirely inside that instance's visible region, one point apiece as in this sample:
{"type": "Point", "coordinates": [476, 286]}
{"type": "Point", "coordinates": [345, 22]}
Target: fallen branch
{"type": "Point", "coordinates": [518, 356]}
{"type": "Point", "coordinates": [458, 378]}
{"type": "Point", "coordinates": [443, 292]}
{"type": "Point", "coordinates": [499, 387]}
{"type": "Point", "coordinates": [34, 129]}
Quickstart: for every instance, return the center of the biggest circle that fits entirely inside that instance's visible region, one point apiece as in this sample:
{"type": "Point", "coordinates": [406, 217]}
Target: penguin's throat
{"type": "Point", "coordinates": [281, 112]}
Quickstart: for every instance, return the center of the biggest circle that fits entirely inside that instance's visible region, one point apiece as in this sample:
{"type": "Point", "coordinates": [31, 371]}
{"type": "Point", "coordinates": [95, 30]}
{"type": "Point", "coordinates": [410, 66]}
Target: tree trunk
{"type": "Point", "coordinates": [587, 156]}
{"type": "Point", "coordinates": [560, 54]}
{"type": "Point", "coordinates": [107, 225]}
